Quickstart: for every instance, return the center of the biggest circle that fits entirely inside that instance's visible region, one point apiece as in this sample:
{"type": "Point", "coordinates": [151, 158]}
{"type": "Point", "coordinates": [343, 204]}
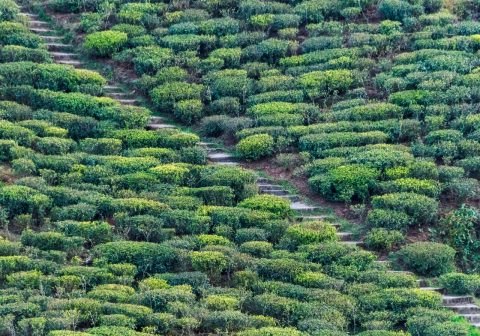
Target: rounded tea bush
{"type": "Point", "coordinates": [256, 146]}
{"type": "Point", "coordinates": [271, 203]}
{"type": "Point", "coordinates": [104, 43]}
{"type": "Point", "coordinates": [427, 258]}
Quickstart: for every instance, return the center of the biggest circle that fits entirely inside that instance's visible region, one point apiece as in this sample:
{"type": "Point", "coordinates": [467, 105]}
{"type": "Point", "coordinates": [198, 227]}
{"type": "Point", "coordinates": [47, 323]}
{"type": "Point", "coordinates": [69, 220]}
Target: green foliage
{"type": "Point", "coordinates": [211, 262]}
{"type": "Point", "coordinates": [426, 258]}
{"type": "Point", "coordinates": [256, 147]}
{"type": "Point", "coordinates": [459, 283]}
{"type": "Point", "coordinates": [147, 257]}
{"type": "Point", "coordinates": [310, 232]}
{"type": "Point", "coordinates": [458, 230]}
{"type": "Point", "coordinates": [320, 84]}
{"type": "Point", "coordinates": [383, 240]}
{"type": "Point", "coordinates": [421, 209]}
{"type": "Point", "coordinates": [346, 183]}
{"type": "Point", "coordinates": [273, 204]}
{"type": "Point", "coordinates": [104, 43]}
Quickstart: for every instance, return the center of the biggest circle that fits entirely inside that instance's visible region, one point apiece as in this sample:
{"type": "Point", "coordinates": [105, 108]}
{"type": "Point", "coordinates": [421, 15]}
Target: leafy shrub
{"type": "Point", "coordinates": [345, 183]}
{"type": "Point", "coordinates": [189, 111]}
{"type": "Point", "coordinates": [9, 10]}
{"type": "Point", "coordinates": [273, 204]}
{"type": "Point", "coordinates": [255, 147]}
{"type": "Point", "coordinates": [388, 219]}
{"type": "Point", "coordinates": [310, 232]}
{"type": "Point", "coordinates": [211, 262]}
{"type": "Point", "coordinates": [460, 284]}
{"type": "Point", "coordinates": [421, 209]}
{"type": "Point", "coordinates": [320, 84]}
{"type": "Point", "coordinates": [104, 43]}
{"type": "Point", "coordinates": [426, 258]}
{"type": "Point", "coordinates": [383, 240]}
{"type": "Point", "coordinates": [146, 256]}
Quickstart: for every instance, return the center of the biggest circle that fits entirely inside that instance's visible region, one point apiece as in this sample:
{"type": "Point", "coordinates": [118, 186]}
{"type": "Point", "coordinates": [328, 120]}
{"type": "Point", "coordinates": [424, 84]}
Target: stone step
{"type": "Point", "coordinates": [352, 242]}
{"type": "Point", "coordinates": [30, 15]}
{"type": "Point", "coordinates": [262, 180]}
{"type": "Point", "coordinates": [401, 272]}
{"type": "Point", "coordinates": [228, 163]}
{"type": "Point", "coordinates": [221, 157]}
{"type": "Point", "coordinates": [312, 218]}
{"type": "Point", "coordinates": [472, 318]}
{"type": "Point", "coordinates": [465, 308]}
{"type": "Point", "coordinates": [119, 94]}
{"type": "Point", "coordinates": [128, 101]}
{"type": "Point", "coordinates": [276, 192]}
{"type": "Point", "coordinates": [39, 30]}
{"type": "Point", "coordinates": [111, 87]}
{"type": "Point", "coordinates": [58, 46]}
{"type": "Point", "coordinates": [75, 63]}
{"type": "Point", "coordinates": [382, 262]}
{"type": "Point", "coordinates": [154, 127]}
{"type": "Point", "coordinates": [156, 120]}
{"type": "Point", "coordinates": [451, 300]}
{"type": "Point", "coordinates": [207, 144]}
{"type": "Point", "coordinates": [345, 236]}
{"type": "Point", "coordinates": [269, 185]}
{"type": "Point", "coordinates": [64, 55]}
{"type": "Point", "coordinates": [302, 207]}
{"type": "Point", "coordinates": [37, 24]}
{"type": "Point", "coordinates": [433, 289]}
{"type": "Point", "coordinates": [49, 38]}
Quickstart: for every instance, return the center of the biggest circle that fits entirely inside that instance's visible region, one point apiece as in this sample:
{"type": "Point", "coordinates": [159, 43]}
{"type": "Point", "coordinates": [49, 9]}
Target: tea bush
{"type": "Point", "coordinates": [105, 43]}
{"type": "Point", "coordinates": [427, 258]}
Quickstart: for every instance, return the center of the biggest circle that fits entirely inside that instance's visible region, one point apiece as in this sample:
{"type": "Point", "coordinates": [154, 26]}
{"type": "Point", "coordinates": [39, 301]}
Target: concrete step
{"type": "Point", "coordinates": [451, 300]}
{"type": "Point", "coordinates": [345, 236]}
{"type": "Point", "coordinates": [358, 243]}
{"type": "Point", "coordinates": [263, 180]}
{"type": "Point", "coordinates": [467, 308]}
{"type": "Point", "coordinates": [75, 63]}
{"type": "Point", "coordinates": [128, 101]}
{"type": "Point", "coordinates": [155, 127]}
{"type": "Point", "coordinates": [303, 207]}
{"type": "Point", "coordinates": [473, 318]}
{"type": "Point", "coordinates": [207, 144]}
{"type": "Point", "coordinates": [30, 15]}
{"type": "Point", "coordinates": [40, 30]}
{"type": "Point", "coordinates": [58, 46]}
{"type": "Point", "coordinates": [228, 163]}
{"type": "Point", "coordinates": [37, 24]}
{"type": "Point", "coordinates": [312, 218]}
{"type": "Point", "coordinates": [109, 87]}
{"type": "Point", "coordinates": [269, 185]}
{"type": "Point", "coordinates": [49, 38]}
{"type": "Point", "coordinates": [433, 289]}
{"type": "Point", "coordinates": [64, 55]}
{"type": "Point", "coordinates": [276, 192]}
{"type": "Point", "coordinates": [156, 120]}
{"type": "Point", "coordinates": [119, 95]}
{"type": "Point", "coordinates": [221, 157]}
{"type": "Point", "coordinates": [401, 272]}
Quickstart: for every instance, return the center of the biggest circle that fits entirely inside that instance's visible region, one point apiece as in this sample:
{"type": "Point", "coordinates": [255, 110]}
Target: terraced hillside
{"type": "Point", "coordinates": [117, 222]}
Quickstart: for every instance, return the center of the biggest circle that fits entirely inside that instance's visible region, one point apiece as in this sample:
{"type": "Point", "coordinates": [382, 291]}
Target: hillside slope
{"type": "Point", "coordinates": [120, 223]}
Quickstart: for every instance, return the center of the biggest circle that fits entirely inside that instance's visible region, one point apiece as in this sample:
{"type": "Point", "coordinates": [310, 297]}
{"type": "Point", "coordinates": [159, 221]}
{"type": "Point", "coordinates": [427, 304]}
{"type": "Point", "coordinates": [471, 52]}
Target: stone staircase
{"type": "Point", "coordinates": [463, 305]}
{"type": "Point", "coordinates": [64, 53]}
